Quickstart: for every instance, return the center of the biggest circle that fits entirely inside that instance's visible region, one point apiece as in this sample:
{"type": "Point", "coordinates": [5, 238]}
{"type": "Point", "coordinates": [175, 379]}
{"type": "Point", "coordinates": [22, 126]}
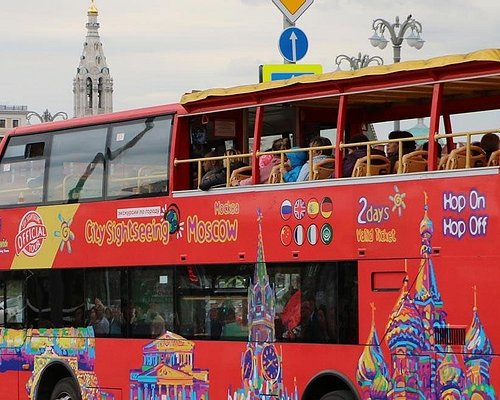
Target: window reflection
{"type": "Point", "coordinates": [138, 157]}
{"type": "Point", "coordinates": [76, 171]}
{"type": "Point", "coordinates": [313, 302]}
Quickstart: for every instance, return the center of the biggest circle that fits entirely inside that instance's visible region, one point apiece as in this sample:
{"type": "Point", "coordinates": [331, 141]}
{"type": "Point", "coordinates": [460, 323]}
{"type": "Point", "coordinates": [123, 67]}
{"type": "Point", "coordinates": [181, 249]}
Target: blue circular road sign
{"type": "Point", "coordinates": [293, 44]}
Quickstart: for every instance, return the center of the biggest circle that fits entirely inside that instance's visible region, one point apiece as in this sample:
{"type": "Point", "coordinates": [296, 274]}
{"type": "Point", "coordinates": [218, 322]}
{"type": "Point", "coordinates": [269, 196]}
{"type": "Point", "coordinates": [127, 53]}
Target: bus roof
{"type": "Point", "coordinates": [483, 64]}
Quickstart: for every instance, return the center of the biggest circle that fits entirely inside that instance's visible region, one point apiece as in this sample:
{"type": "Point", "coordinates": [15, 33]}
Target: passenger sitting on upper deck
{"type": "Point", "coordinates": [215, 173]}
{"type": "Point", "coordinates": [356, 153]}
{"type": "Point", "coordinates": [318, 155]}
{"type": "Point", "coordinates": [393, 148]}
{"type": "Point", "coordinates": [265, 171]}
{"type": "Point", "coordinates": [234, 163]}
{"type": "Point", "coordinates": [291, 169]}
{"type": "Point", "coordinates": [489, 143]}
{"type": "Point", "coordinates": [439, 149]}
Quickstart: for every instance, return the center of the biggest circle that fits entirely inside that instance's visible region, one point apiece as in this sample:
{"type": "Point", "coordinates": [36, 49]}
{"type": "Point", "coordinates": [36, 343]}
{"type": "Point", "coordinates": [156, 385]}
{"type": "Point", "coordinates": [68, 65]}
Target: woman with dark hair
{"type": "Point", "coordinates": [489, 143]}
{"type": "Point", "coordinates": [356, 153]}
{"type": "Point", "coordinates": [393, 147]}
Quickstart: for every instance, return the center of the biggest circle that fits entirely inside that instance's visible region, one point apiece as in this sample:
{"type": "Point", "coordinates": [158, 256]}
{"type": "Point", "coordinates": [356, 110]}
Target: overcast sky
{"type": "Point", "coordinates": [159, 49]}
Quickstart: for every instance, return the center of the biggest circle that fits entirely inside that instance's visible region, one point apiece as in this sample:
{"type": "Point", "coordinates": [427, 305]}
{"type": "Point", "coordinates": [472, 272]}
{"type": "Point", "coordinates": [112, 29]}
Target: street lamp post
{"type": "Point", "coordinates": [361, 61]}
{"type": "Point", "coordinates": [397, 32]}
{"type": "Point", "coordinates": [46, 116]}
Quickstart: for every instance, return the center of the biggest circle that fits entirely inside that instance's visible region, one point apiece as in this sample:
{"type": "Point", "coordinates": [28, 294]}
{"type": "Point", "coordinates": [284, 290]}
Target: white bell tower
{"type": "Point", "coordinates": [92, 85]}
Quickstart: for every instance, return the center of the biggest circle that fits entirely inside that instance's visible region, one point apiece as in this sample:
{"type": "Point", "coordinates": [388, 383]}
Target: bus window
{"type": "Point", "coordinates": [11, 302]}
{"type": "Point", "coordinates": [22, 171]}
{"type": "Point", "coordinates": [316, 303]}
{"type": "Point", "coordinates": [138, 157]}
{"type": "Point", "coordinates": [103, 302]}
{"type": "Point", "coordinates": [54, 298]}
{"type": "Point", "coordinates": [213, 302]}
{"type": "Point", "coordinates": [150, 312]}
{"type": "Point", "coordinates": [14, 302]}
{"type": "Point", "coordinates": [76, 171]}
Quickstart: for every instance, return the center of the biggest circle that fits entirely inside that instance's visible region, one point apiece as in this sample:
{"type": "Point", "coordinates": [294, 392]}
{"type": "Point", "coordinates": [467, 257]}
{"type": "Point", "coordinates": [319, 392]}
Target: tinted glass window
{"type": "Point", "coordinates": [317, 303]}
{"type": "Point", "coordinates": [11, 302]}
{"type": "Point", "coordinates": [103, 302]}
{"type": "Point", "coordinates": [314, 302]}
{"type": "Point", "coordinates": [150, 312]}
{"type": "Point", "coordinates": [138, 157]}
{"type": "Point", "coordinates": [54, 298]}
{"type": "Point", "coordinates": [213, 301]}
{"type": "Point", "coordinates": [77, 165]}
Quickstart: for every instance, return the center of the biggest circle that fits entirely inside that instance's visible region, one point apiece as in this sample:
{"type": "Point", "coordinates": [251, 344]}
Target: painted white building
{"type": "Point", "coordinates": [92, 85]}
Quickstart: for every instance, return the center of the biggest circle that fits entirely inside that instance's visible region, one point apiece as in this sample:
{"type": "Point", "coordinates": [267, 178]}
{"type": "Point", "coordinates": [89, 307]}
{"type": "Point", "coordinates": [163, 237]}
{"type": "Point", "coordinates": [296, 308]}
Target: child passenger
{"type": "Point", "coordinates": [318, 155]}
{"type": "Point", "coordinates": [265, 171]}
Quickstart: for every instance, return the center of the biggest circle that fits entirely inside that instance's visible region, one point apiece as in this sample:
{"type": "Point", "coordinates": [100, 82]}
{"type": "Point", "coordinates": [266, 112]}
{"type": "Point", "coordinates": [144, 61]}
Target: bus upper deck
{"type": "Point", "coordinates": [347, 103]}
{"type": "Point", "coordinates": [161, 149]}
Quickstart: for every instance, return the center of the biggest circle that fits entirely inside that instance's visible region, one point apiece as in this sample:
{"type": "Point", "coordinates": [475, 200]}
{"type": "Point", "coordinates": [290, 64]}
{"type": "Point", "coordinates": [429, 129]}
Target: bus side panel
{"type": "Point", "coordinates": [442, 318]}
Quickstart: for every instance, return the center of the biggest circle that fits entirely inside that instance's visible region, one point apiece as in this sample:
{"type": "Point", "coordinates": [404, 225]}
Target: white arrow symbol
{"type": "Point", "coordinates": [293, 39]}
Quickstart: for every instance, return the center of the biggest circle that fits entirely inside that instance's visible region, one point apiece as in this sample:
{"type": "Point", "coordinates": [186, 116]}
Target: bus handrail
{"type": "Point", "coordinates": [258, 154]}
{"type": "Point", "coordinates": [369, 151]}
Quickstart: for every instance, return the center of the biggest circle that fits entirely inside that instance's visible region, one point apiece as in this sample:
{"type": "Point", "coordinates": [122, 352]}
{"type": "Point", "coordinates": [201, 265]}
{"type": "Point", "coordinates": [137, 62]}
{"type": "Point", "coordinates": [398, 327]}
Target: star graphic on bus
{"type": "Point", "coordinates": [398, 200]}
{"type": "Point", "coordinates": [65, 233]}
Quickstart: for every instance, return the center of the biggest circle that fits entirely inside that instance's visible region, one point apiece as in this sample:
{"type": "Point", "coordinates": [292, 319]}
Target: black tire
{"type": "Point", "coordinates": [66, 389]}
{"type": "Point", "coordinates": [338, 395]}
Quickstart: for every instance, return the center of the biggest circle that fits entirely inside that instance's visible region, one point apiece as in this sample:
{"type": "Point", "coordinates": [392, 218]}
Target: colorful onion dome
{"type": "Point", "coordinates": [477, 344]}
{"type": "Point", "coordinates": [380, 387]}
{"type": "Point", "coordinates": [450, 375]}
{"type": "Point", "coordinates": [405, 327]}
{"type": "Point", "coordinates": [371, 364]}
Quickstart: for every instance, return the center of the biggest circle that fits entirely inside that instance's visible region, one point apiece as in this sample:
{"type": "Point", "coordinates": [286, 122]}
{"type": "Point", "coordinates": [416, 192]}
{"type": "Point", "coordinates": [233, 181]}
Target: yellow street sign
{"type": "Point", "coordinates": [274, 72]}
{"type": "Point", "coordinates": [293, 9]}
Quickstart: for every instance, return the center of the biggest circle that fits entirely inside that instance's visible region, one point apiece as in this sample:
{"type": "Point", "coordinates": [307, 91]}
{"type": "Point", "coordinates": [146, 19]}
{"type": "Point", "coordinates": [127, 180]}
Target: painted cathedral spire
{"type": "Point", "coordinates": [261, 296]}
{"type": "Point", "coordinates": [372, 373]}
{"type": "Point", "coordinates": [92, 85]}
{"type": "Point", "coordinates": [478, 356]}
{"type": "Point", "coordinates": [427, 297]}
{"type": "Point", "coordinates": [426, 286]}
{"type": "Point", "coordinates": [405, 338]}
{"type": "Point", "coordinates": [261, 362]}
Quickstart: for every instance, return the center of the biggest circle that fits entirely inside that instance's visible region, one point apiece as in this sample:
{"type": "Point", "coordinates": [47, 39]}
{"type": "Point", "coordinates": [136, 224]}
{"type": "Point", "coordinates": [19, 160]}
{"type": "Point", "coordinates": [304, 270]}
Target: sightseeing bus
{"type": "Point", "coordinates": [121, 279]}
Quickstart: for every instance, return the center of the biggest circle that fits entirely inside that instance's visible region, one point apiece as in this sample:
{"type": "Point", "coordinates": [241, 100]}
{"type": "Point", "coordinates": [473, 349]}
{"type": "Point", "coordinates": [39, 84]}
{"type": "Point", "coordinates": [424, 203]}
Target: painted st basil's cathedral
{"type": "Point", "coordinates": [422, 368]}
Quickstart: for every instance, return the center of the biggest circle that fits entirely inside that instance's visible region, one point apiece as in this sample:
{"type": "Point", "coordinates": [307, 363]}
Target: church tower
{"type": "Point", "coordinates": [92, 85]}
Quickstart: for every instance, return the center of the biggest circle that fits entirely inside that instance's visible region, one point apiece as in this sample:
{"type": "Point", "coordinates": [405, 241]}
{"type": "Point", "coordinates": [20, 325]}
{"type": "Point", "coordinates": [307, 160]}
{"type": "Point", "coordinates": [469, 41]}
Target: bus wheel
{"type": "Point", "coordinates": [65, 389]}
{"type": "Point", "coordinates": [338, 395]}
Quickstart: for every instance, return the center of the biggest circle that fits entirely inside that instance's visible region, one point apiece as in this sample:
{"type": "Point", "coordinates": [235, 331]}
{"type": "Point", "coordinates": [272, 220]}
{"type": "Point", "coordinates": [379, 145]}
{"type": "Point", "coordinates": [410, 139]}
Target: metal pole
{"type": "Point", "coordinates": [287, 24]}
{"type": "Point", "coordinates": [397, 32]}
{"type": "Point", "coordinates": [397, 58]}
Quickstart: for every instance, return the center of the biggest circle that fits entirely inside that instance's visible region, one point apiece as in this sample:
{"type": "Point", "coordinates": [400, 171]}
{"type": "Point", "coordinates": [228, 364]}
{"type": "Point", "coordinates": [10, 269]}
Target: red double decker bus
{"type": "Point", "coordinates": [121, 279]}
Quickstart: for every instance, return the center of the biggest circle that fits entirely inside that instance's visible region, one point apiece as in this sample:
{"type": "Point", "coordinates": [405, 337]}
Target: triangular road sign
{"type": "Point", "coordinates": [293, 9]}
